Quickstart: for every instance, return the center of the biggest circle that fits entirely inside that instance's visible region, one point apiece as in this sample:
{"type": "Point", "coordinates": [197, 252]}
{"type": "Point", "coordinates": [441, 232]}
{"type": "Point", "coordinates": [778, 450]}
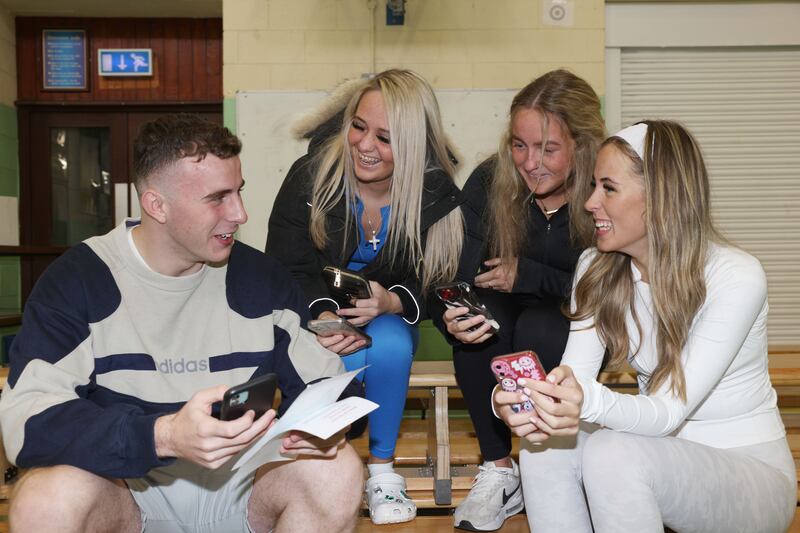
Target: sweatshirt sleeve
{"type": "Point", "coordinates": [46, 416]}
{"type": "Point", "coordinates": [736, 295]}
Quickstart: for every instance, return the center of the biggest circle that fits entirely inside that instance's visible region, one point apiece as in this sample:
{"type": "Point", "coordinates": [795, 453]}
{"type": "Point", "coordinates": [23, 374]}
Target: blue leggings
{"type": "Point", "coordinates": [386, 378]}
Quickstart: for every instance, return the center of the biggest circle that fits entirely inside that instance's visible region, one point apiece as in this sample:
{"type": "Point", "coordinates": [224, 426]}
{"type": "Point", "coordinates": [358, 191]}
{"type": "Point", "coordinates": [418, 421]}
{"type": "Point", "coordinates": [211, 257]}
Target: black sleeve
{"type": "Point", "coordinates": [288, 238]}
{"type": "Point", "coordinates": [474, 208]}
{"type": "Point", "coordinates": [540, 280]}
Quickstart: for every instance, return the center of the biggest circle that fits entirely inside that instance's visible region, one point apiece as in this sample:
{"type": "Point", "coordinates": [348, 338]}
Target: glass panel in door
{"type": "Point", "coordinates": [80, 172]}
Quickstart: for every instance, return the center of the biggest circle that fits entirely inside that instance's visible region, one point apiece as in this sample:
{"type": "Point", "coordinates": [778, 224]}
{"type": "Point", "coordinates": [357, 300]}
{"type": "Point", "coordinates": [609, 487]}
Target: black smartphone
{"type": "Point", "coordinates": [346, 285]}
{"type": "Point", "coordinates": [257, 394]}
{"type": "Point", "coordinates": [337, 326]}
{"type": "Point", "coordinates": [460, 294]}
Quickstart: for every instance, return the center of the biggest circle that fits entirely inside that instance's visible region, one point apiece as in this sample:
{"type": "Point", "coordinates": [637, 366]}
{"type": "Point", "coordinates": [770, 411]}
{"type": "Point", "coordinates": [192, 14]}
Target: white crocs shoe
{"type": "Point", "coordinates": [388, 501]}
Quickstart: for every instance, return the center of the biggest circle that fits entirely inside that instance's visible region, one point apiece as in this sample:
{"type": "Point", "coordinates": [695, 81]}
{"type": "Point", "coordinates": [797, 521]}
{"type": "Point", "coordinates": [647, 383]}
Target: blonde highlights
{"type": "Point", "coordinates": [679, 229]}
{"type": "Point", "coordinates": [557, 95]}
{"type": "Point", "coordinates": [418, 145]}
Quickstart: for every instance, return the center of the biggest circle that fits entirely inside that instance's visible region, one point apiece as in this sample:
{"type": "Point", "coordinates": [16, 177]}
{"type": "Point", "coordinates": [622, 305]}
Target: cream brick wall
{"type": "Point", "coordinates": [8, 59]}
{"type": "Point", "coordinates": [455, 44]}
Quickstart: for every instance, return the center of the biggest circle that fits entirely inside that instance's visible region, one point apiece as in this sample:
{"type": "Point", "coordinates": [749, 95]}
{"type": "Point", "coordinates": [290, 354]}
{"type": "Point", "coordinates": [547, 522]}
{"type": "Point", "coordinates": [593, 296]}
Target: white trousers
{"type": "Point", "coordinates": [642, 484]}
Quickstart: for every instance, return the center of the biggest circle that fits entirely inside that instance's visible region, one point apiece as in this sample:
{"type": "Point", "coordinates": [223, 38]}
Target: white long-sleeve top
{"type": "Point", "coordinates": [730, 401]}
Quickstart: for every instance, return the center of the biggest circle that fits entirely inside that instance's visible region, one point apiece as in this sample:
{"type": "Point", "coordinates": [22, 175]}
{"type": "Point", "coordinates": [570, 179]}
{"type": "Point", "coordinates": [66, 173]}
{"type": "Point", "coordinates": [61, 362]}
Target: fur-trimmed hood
{"type": "Point", "coordinates": [326, 120]}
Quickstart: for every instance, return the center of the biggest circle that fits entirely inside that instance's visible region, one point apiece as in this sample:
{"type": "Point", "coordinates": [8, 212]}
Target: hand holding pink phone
{"type": "Point", "coordinates": [508, 369]}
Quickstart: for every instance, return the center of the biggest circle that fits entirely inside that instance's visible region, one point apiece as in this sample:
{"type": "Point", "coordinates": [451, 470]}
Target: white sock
{"type": "Point", "coordinates": [380, 468]}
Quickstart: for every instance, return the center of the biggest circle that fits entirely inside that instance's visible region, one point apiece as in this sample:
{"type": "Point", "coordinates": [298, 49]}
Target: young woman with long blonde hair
{"type": "Point", "coordinates": [526, 236]}
{"type": "Point", "coordinates": [664, 292]}
{"type": "Point", "coordinates": [375, 194]}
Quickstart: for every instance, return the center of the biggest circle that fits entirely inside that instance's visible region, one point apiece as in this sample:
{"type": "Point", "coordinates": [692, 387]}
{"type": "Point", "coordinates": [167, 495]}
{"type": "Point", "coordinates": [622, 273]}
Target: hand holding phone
{"type": "Point", "coordinates": [337, 326]}
{"type": "Point", "coordinates": [346, 285]}
{"type": "Point", "coordinates": [257, 394]}
{"type": "Point", "coordinates": [460, 294]}
{"type": "Point", "coordinates": [507, 369]}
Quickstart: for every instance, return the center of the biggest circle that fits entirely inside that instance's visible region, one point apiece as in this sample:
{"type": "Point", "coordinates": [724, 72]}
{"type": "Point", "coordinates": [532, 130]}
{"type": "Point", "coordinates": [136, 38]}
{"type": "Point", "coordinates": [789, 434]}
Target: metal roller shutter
{"type": "Point", "coordinates": [743, 105]}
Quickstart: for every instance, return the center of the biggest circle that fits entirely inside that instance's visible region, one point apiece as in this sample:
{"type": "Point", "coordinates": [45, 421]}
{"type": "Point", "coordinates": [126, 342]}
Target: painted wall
{"type": "Point", "coordinates": [455, 44]}
{"type": "Point", "coordinates": [463, 45]}
{"type": "Point", "coordinates": [9, 168]}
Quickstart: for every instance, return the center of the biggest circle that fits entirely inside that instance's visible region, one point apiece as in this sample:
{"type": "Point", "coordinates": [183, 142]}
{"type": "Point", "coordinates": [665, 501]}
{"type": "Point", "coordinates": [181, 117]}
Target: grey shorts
{"type": "Point", "coordinates": [185, 497]}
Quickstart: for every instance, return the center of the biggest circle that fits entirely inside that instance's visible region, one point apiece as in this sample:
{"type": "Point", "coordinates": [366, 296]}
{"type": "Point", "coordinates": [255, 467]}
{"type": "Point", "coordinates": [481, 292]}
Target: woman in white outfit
{"type": "Point", "coordinates": [702, 446]}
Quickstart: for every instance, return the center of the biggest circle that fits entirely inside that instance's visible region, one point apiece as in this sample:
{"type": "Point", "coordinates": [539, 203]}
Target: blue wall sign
{"type": "Point", "coordinates": [125, 61]}
{"type": "Point", "coordinates": [64, 65]}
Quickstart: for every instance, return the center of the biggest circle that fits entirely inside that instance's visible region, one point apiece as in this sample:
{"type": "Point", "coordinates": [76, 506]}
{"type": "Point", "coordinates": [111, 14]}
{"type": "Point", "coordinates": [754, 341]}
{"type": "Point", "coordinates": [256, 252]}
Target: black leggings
{"type": "Point", "coordinates": [525, 324]}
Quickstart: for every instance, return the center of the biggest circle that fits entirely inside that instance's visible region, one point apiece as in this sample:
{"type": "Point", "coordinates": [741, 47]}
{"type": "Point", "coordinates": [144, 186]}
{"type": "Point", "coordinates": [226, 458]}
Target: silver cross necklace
{"type": "Point", "coordinates": [374, 241]}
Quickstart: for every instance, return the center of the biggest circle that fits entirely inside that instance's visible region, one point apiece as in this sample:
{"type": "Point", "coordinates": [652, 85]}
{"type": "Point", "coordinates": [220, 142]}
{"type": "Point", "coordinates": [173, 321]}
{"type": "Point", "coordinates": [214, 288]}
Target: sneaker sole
{"type": "Point", "coordinates": [497, 523]}
{"type": "Point", "coordinates": [392, 521]}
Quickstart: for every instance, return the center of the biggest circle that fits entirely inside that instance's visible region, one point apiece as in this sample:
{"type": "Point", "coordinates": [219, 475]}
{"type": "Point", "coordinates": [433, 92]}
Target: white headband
{"type": "Point", "coordinates": [634, 136]}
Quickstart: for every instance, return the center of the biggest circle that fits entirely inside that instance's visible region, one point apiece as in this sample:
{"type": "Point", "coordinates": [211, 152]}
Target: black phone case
{"type": "Point", "coordinates": [257, 394]}
{"type": "Point", "coordinates": [344, 285]}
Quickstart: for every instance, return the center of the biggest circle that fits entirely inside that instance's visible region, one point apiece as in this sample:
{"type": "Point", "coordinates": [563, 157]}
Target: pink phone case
{"type": "Point", "coordinates": [507, 369]}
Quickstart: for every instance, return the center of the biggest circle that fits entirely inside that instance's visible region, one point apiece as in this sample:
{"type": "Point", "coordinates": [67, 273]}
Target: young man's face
{"type": "Point", "coordinates": [203, 208]}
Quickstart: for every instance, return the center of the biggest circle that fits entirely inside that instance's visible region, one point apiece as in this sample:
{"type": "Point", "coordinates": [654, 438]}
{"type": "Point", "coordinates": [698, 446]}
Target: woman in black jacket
{"type": "Point", "coordinates": [524, 241]}
{"type": "Point", "coordinates": [375, 194]}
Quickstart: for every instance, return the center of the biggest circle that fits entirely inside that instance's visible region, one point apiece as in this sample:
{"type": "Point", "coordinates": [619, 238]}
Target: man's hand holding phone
{"type": "Point", "coordinates": [194, 434]}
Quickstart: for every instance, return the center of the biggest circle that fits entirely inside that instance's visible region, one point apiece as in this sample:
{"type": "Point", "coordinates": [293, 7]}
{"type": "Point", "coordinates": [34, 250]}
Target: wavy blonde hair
{"type": "Point", "coordinates": [558, 95]}
{"type": "Point", "coordinates": [419, 145]}
{"type": "Point", "coordinates": [679, 228]}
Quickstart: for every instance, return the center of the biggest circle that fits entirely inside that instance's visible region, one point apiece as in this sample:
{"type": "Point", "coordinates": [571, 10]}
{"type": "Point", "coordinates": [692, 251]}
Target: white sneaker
{"type": "Point", "coordinates": [387, 499]}
{"type": "Point", "coordinates": [495, 495]}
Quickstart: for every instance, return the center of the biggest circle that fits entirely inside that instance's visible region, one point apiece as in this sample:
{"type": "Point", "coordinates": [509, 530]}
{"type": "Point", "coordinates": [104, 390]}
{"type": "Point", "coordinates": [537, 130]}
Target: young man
{"type": "Point", "coordinates": [127, 341]}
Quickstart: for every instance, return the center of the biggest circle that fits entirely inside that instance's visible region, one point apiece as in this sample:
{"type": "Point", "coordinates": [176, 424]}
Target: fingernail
{"type": "Point", "coordinates": [527, 391]}
{"type": "Point", "coordinates": [521, 381]}
{"type": "Point", "coordinates": [525, 398]}
{"type": "Point", "coordinates": [551, 379]}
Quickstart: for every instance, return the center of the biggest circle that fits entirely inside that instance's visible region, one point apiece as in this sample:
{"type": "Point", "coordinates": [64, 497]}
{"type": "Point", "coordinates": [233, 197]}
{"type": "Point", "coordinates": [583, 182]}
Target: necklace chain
{"type": "Point", "coordinates": [546, 211]}
{"type": "Point", "coordinates": [374, 241]}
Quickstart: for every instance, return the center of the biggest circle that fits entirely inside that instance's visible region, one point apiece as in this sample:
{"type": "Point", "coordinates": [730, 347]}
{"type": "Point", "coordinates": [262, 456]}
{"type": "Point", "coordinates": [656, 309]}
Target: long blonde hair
{"type": "Point", "coordinates": [679, 229]}
{"type": "Point", "coordinates": [563, 96]}
{"type": "Point", "coordinates": [418, 145]}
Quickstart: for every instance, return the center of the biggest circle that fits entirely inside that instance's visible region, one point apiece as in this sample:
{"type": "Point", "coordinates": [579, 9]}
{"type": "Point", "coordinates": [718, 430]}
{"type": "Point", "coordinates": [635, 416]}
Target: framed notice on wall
{"type": "Point", "coordinates": [64, 60]}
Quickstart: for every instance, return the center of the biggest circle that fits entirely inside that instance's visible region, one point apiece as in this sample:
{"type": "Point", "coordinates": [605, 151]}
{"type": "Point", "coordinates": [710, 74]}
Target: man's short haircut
{"type": "Point", "coordinates": [168, 139]}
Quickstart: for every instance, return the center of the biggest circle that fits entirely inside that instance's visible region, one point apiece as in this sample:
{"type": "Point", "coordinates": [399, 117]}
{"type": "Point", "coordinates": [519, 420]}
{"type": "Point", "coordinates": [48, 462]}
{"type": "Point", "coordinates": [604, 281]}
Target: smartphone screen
{"type": "Point", "coordinates": [257, 394]}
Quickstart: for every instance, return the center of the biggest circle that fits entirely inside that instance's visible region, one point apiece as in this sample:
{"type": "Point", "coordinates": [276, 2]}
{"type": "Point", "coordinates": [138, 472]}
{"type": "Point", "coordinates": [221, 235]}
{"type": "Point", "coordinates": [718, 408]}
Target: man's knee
{"type": "Point", "coordinates": [57, 495]}
{"type": "Point", "coordinates": [332, 487]}
{"type": "Point", "coordinates": [345, 474]}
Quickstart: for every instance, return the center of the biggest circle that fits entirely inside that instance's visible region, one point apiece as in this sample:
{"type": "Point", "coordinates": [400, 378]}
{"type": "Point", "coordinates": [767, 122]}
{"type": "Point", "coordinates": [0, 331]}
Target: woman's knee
{"type": "Point", "coordinates": [611, 457]}
{"type": "Point", "coordinates": [392, 338]}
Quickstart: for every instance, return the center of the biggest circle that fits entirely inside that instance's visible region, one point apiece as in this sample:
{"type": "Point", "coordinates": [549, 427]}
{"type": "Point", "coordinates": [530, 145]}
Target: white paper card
{"type": "Point", "coordinates": [314, 411]}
